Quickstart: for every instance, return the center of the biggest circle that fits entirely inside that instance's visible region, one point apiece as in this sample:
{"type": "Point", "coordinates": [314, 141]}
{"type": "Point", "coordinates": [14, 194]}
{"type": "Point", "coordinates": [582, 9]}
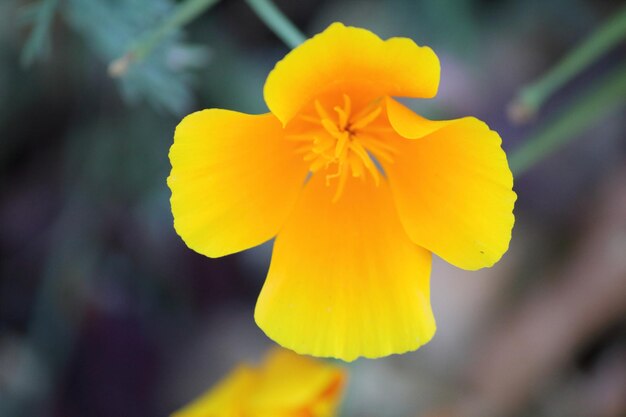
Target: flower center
{"type": "Point", "coordinates": [344, 142]}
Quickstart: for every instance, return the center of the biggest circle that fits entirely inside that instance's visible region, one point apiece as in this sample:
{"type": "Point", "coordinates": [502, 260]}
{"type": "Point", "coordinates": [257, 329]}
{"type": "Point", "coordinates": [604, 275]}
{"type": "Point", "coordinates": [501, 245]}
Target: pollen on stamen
{"type": "Point", "coordinates": [344, 143]}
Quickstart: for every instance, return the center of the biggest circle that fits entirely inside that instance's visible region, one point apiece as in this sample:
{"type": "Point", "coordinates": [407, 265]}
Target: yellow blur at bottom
{"type": "Point", "coordinates": [284, 385]}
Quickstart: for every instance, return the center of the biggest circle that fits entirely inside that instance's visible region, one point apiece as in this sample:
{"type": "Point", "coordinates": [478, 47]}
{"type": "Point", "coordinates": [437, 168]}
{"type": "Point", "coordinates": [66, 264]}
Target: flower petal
{"type": "Point", "coordinates": [345, 281]}
{"type": "Point", "coordinates": [292, 382]}
{"type": "Point", "coordinates": [234, 180]}
{"type": "Point", "coordinates": [342, 57]}
{"type": "Point", "coordinates": [453, 189]}
{"type": "Point", "coordinates": [224, 399]}
{"type": "Point", "coordinates": [409, 124]}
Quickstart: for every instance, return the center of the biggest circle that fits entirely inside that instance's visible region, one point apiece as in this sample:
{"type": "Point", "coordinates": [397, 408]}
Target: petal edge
{"type": "Point", "coordinates": [453, 191]}
{"type": "Point", "coordinates": [345, 281]}
{"type": "Point", "coordinates": [234, 180]}
{"type": "Point", "coordinates": [344, 55]}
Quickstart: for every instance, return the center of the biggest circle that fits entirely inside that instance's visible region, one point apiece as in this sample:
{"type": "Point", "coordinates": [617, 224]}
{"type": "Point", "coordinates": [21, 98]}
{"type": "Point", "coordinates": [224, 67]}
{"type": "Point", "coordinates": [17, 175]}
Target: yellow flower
{"type": "Point", "coordinates": [285, 385]}
{"type": "Point", "coordinates": [358, 189]}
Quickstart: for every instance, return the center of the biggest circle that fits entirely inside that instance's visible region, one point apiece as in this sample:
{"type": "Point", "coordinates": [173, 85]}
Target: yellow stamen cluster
{"type": "Point", "coordinates": [344, 139]}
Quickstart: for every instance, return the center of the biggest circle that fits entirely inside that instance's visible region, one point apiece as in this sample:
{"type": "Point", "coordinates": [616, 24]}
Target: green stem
{"type": "Point", "coordinates": [599, 99]}
{"type": "Point", "coordinates": [183, 14]}
{"type": "Point", "coordinates": [277, 22]}
{"type": "Point", "coordinates": [532, 97]}
{"type": "Point", "coordinates": [43, 14]}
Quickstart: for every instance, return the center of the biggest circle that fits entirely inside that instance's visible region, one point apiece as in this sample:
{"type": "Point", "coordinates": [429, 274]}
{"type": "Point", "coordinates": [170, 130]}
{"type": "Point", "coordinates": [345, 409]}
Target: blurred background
{"type": "Point", "coordinates": [103, 310]}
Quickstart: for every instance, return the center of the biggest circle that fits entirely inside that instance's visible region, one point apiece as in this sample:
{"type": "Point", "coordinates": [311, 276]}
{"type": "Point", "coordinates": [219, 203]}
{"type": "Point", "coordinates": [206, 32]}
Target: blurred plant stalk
{"type": "Point", "coordinates": [538, 342]}
{"type": "Point", "coordinates": [191, 9]}
{"type": "Point", "coordinates": [599, 99]}
{"type": "Point", "coordinates": [42, 14]}
{"type": "Point", "coordinates": [184, 13]}
{"type": "Point", "coordinates": [533, 96]}
{"type": "Point", "coordinates": [277, 22]}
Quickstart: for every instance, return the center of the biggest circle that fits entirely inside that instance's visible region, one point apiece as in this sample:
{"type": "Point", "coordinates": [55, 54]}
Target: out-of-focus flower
{"type": "Point", "coordinates": [285, 385]}
{"type": "Point", "coordinates": [358, 189]}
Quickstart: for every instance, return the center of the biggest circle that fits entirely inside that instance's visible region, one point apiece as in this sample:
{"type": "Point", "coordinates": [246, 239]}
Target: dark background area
{"type": "Point", "coordinates": [104, 311]}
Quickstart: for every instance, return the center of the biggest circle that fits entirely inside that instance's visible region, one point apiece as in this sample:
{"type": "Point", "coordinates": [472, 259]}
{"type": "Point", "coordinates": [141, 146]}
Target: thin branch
{"type": "Point", "coordinates": [277, 22]}
{"type": "Point", "coordinates": [183, 14]}
{"type": "Point", "coordinates": [532, 97]}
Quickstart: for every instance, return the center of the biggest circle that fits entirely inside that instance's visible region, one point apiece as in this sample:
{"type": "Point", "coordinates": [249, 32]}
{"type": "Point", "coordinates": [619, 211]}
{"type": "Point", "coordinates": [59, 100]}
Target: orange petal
{"type": "Point", "coordinates": [345, 280]}
{"type": "Point", "coordinates": [453, 188]}
{"type": "Point", "coordinates": [290, 382]}
{"type": "Point", "coordinates": [345, 58]}
{"type": "Point", "coordinates": [285, 385]}
{"type": "Point", "coordinates": [409, 124]}
{"type": "Point", "coordinates": [226, 398]}
{"type": "Point", "coordinates": [234, 180]}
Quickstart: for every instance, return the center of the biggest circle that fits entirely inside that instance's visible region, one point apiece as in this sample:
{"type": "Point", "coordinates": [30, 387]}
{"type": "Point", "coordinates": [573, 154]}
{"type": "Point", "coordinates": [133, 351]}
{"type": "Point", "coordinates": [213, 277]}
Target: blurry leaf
{"type": "Point", "coordinates": [110, 27]}
{"type": "Point", "coordinates": [41, 14]}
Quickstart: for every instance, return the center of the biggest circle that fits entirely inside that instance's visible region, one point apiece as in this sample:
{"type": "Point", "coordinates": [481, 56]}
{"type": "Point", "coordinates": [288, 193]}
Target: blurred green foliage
{"type": "Point", "coordinates": [85, 218]}
{"type": "Point", "coordinates": [109, 29]}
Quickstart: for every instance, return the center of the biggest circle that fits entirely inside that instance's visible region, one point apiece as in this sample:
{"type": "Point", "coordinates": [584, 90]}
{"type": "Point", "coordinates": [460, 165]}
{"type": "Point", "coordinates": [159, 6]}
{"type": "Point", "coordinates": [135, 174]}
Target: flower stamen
{"type": "Point", "coordinates": [345, 140]}
{"type": "Point", "coordinates": [344, 113]}
{"type": "Point", "coordinates": [367, 119]}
